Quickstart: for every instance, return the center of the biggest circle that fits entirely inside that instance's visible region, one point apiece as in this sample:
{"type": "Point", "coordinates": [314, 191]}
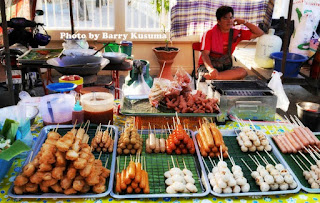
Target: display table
{"type": "Point", "coordinates": [119, 121]}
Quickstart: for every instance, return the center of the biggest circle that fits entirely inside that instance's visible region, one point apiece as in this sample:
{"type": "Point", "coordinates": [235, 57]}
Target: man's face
{"type": "Point", "coordinates": [227, 21]}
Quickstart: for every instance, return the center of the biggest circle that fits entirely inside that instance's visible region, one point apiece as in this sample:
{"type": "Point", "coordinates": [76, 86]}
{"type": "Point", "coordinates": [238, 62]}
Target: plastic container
{"type": "Point", "coordinates": [57, 108]}
{"type": "Point", "coordinates": [63, 129]}
{"type": "Point", "coordinates": [87, 90]}
{"type": "Point", "coordinates": [112, 47]}
{"type": "Point", "coordinates": [293, 63]}
{"type": "Point", "coordinates": [75, 79]}
{"type": "Point", "coordinates": [98, 107]}
{"type": "Point", "coordinates": [266, 45]}
{"type": "Point", "coordinates": [309, 114]}
{"type": "Point", "coordinates": [126, 47]}
{"type": "Point", "coordinates": [77, 113]}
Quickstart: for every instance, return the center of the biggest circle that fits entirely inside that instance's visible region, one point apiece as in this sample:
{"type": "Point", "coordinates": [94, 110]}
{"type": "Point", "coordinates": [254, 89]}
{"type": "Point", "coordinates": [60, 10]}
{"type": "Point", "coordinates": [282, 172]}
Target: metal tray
{"type": "Point", "coordinates": [291, 164]}
{"type": "Point", "coordinates": [130, 107]}
{"type": "Point", "coordinates": [62, 130]}
{"type": "Point", "coordinates": [32, 57]}
{"type": "Point", "coordinates": [157, 164]}
{"type": "Point", "coordinates": [235, 152]}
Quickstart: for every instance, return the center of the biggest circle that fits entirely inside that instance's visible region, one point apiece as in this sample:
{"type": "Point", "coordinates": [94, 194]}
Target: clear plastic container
{"type": "Point", "coordinates": [98, 107]}
{"type": "Point", "coordinates": [266, 45]}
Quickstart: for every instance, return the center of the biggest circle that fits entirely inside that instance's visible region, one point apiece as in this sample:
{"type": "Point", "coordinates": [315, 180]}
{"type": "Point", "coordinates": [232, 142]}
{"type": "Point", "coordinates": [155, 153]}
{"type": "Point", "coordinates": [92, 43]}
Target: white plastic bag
{"type": "Point", "coordinates": [276, 85]}
{"type": "Point", "coordinates": [139, 89]}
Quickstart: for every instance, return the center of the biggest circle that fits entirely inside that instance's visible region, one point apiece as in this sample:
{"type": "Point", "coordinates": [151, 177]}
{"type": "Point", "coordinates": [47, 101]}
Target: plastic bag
{"type": "Point", "coordinates": [276, 85]}
{"type": "Point", "coordinates": [183, 79]}
{"type": "Point", "coordinates": [139, 89]}
{"type": "Point", "coordinates": [158, 90]}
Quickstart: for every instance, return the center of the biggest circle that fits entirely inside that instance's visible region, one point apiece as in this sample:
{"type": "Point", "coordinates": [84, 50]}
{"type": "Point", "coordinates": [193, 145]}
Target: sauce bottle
{"type": "Point", "coordinates": [77, 113]}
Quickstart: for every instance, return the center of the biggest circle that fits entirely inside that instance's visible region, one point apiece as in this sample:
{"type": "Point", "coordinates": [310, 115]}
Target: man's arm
{"type": "Point", "coordinates": [256, 31]}
{"type": "Point", "coordinates": [207, 62]}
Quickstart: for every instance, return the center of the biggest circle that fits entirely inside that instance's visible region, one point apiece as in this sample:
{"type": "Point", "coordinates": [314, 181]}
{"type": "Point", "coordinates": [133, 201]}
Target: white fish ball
{"type": "Point", "coordinates": [215, 170]}
{"type": "Point", "coordinates": [264, 187]}
{"type": "Point", "coordinates": [236, 168]}
{"type": "Point", "coordinates": [315, 185]}
{"type": "Point", "coordinates": [238, 174]}
{"type": "Point", "coordinates": [318, 163]}
{"type": "Point", "coordinates": [191, 187]}
{"type": "Point", "coordinates": [167, 174]}
{"type": "Point", "coordinates": [177, 178]}
{"type": "Point", "coordinates": [232, 182]}
{"type": "Point", "coordinates": [274, 186]}
{"type": "Point", "coordinates": [260, 167]}
{"type": "Point", "coordinates": [242, 134]}
{"type": "Point", "coordinates": [187, 172]}
{"type": "Point", "coordinates": [226, 177]}
{"type": "Point", "coordinates": [222, 164]}
{"type": "Point", "coordinates": [279, 179]}
{"type": "Point", "coordinates": [284, 172]}
{"type": "Point", "coordinates": [189, 179]}
{"type": "Point", "coordinates": [314, 167]}
{"type": "Point", "coordinates": [288, 178]}
{"type": "Point", "coordinates": [248, 144]}
{"type": "Point", "coordinates": [186, 190]}
{"type": "Point", "coordinates": [171, 190]}
{"type": "Point", "coordinates": [252, 148]}
{"type": "Point", "coordinates": [260, 148]}
{"type": "Point", "coordinates": [306, 174]}
{"type": "Point", "coordinates": [293, 185]}
{"type": "Point", "coordinates": [246, 129]}
{"type": "Point", "coordinates": [169, 181]}
{"type": "Point", "coordinates": [264, 142]}
{"type": "Point", "coordinates": [269, 167]}
{"type": "Point", "coordinates": [255, 174]}
{"type": "Point", "coordinates": [259, 180]}
{"type": "Point", "coordinates": [268, 148]}
{"type": "Point", "coordinates": [175, 171]}
{"type": "Point", "coordinates": [274, 172]}
{"type": "Point", "coordinates": [210, 176]}
{"type": "Point", "coordinates": [236, 189]}
{"type": "Point", "coordinates": [245, 187]}
{"type": "Point", "coordinates": [227, 190]}
{"type": "Point", "coordinates": [241, 181]}
{"type": "Point", "coordinates": [279, 167]}
{"type": "Point", "coordinates": [221, 184]}
{"type": "Point", "coordinates": [284, 186]}
{"type": "Point", "coordinates": [311, 180]}
{"type": "Point", "coordinates": [263, 173]}
{"type": "Point", "coordinates": [257, 143]}
{"type": "Point", "coordinates": [213, 182]}
{"type": "Point", "coordinates": [178, 186]}
{"type": "Point", "coordinates": [244, 149]}
{"type": "Point", "coordinates": [269, 179]}
{"type": "Point", "coordinates": [217, 189]}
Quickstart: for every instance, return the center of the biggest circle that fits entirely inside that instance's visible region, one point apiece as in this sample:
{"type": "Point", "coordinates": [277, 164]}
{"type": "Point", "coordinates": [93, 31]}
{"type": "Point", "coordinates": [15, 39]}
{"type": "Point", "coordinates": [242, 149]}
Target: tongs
{"type": "Point", "coordinates": [82, 65]}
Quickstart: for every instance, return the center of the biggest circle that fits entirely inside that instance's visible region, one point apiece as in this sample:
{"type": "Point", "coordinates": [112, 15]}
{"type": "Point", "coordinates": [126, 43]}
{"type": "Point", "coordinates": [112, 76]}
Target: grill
{"type": "Point", "coordinates": [245, 99]}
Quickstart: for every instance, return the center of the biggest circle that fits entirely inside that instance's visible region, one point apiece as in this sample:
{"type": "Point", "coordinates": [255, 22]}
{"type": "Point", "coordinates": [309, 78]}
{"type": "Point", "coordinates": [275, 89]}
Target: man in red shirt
{"type": "Point", "coordinates": [214, 45]}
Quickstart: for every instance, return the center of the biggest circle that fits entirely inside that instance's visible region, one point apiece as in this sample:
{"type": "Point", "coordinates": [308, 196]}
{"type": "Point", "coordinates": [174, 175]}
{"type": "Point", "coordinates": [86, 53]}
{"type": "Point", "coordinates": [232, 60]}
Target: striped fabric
{"type": "Point", "coordinates": [194, 17]}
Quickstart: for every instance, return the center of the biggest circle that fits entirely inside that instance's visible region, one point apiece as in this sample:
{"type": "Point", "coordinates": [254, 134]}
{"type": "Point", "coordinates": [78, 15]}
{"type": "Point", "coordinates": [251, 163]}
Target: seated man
{"type": "Point", "coordinates": [216, 50]}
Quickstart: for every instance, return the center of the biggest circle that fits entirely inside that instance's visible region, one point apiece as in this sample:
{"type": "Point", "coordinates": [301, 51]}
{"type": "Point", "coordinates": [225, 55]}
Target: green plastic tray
{"type": "Point", "coordinates": [229, 137]}
{"type": "Point", "coordinates": [296, 169]}
{"type": "Point", "coordinates": [63, 129]}
{"type": "Point", "coordinates": [157, 165]}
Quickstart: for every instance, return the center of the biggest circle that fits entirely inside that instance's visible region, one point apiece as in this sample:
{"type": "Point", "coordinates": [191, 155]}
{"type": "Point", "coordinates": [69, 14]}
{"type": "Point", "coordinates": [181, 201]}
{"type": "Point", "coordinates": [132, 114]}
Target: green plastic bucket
{"type": "Point", "coordinates": [126, 47]}
{"type": "Point", "coordinates": [112, 47]}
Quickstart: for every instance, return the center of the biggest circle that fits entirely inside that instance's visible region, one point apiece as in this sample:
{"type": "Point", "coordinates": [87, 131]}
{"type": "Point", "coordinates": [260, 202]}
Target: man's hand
{"type": "Point", "coordinates": [238, 21]}
{"type": "Point", "coordinates": [211, 75]}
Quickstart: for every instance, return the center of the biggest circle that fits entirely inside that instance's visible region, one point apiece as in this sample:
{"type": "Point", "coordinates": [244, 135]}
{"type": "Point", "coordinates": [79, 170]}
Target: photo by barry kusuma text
{"type": "Point", "coordinates": [111, 36]}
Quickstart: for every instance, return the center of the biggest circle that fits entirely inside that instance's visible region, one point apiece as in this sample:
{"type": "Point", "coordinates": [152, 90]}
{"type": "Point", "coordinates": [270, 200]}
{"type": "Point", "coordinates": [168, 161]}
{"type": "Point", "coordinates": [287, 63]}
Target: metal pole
{"type": "Point", "coordinates": [71, 17]}
{"type": "Point", "coordinates": [7, 51]}
{"type": "Point", "coordinates": [286, 39]}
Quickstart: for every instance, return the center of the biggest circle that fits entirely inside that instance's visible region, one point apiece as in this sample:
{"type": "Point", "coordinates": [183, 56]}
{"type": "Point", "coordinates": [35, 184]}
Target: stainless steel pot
{"type": "Point", "coordinates": [309, 114]}
{"type": "Point", "coordinates": [115, 57]}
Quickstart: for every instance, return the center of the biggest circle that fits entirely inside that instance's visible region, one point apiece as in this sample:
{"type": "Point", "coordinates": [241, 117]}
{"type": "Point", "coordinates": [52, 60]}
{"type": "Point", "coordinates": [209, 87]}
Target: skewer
{"type": "Point", "coordinates": [297, 162]}
{"type": "Point", "coordinates": [99, 155]}
{"type": "Point", "coordinates": [275, 163]}
{"type": "Point", "coordinates": [211, 161]}
{"type": "Point", "coordinates": [184, 163]}
{"type": "Point", "coordinates": [253, 160]}
{"type": "Point", "coordinates": [288, 121]}
{"type": "Point", "coordinates": [246, 165]}
{"type": "Point", "coordinates": [294, 121]}
{"type": "Point", "coordinates": [177, 162]}
{"type": "Point", "coordinates": [75, 123]}
{"type": "Point", "coordinates": [253, 127]}
{"type": "Point", "coordinates": [315, 152]}
{"type": "Point", "coordinates": [178, 119]}
{"type": "Point", "coordinates": [230, 159]}
{"type": "Point", "coordinates": [205, 164]}
{"type": "Point", "coordinates": [311, 154]}
{"type": "Point", "coordinates": [168, 165]}
{"type": "Point", "coordinates": [256, 160]}
{"type": "Point", "coordinates": [305, 158]}
{"type": "Point", "coordinates": [145, 164]}
{"type": "Point", "coordinates": [105, 165]}
{"type": "Point", "coordinates": [262, 158]}
{"type": "Point", "coordinates": [305, 165]}
{"type": "Point", "coordinates": [173, 162]}
{"type": "Point", "coordinates": [169, 128]}
{"type": "Point", "coordinates": [31, 154]}
{"type": "Point", "coordinates": [298, 120]}
{"type": "Point", "coordinates": [57, 128]}
{"type": "Point", "coordinates": [125, 163]}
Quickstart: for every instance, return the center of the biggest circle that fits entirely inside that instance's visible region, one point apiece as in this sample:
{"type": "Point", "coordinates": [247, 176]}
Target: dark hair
{"type": "Point", "coordinates": [222, 11]}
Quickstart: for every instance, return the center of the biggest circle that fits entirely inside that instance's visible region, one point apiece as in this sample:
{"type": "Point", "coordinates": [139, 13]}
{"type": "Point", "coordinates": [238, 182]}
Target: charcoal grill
{"type": "Point", "coordinates": [245, 99]}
